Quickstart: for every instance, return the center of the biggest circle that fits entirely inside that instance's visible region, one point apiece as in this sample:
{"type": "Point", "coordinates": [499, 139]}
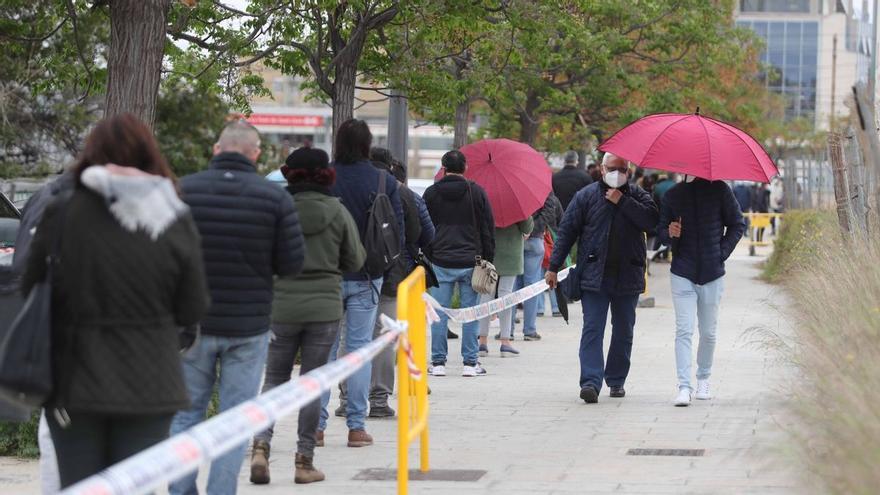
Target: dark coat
{"type": "Point", "coordinates": [743, 195]}
{"type": "Point", "coordinates": [250, 232]}
{"type": "Point", "coordinates": [548, 217]}
{"type": "Point", "coordinates": [119, 299]}
{"type": "Point", "coordinates": [760, 200]}
{"type": "Point", "coordinates": [356, 186]}
{"type": "Point", "coordinates": [33, 212]}
{"type": "Point", "coordinates": [458, 240]}
{"type": "Point", "coordinates": [418, 234]}
{"type": "Point", "coordinates": [588, 221]}
{"type": "Point", "coordinates": [568, 181]}
{"type": "Point", "coordinates": [711, 227]}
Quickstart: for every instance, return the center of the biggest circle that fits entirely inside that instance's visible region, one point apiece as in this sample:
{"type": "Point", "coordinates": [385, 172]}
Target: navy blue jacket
{"type": "Point", "coordinates": [356, 185]}
{"type": "Point", "coordinates": [250, 232]}
{"type": "Point", "coordinates": [588, 221]}
{"type": "Point", "coordinates": [712, 224]}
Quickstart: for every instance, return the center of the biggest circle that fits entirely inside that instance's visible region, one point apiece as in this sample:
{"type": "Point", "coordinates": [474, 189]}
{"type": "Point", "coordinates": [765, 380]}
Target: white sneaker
{"type": "Point", "coordinates": [471, 371]}
{"type": "Point", "coordinates": [702, 390]}
{"type": "Point", "coordinates": [438, 370]}
{"type": "Point", "coordinates": [684, 398]}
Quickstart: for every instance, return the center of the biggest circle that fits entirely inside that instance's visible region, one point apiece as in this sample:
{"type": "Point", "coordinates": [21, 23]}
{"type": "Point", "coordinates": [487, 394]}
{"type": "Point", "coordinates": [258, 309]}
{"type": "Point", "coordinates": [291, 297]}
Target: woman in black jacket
{"type": "Point", "coordinates": [130, 275]}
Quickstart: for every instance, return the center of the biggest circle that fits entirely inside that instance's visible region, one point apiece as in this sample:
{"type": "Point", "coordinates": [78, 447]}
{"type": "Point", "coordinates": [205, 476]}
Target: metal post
{"type": "Point", "coordinates": [398, 127]}
{"type": "Point", "coordinates": [833, 83]}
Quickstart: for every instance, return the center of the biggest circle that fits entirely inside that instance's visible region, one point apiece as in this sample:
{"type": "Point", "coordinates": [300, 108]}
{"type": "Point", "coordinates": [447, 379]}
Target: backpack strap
{"type": "Point", "coordinates": [476, 226]}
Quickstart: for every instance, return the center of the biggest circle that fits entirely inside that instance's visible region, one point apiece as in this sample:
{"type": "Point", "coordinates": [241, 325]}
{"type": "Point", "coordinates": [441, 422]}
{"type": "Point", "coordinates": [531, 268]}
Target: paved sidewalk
{"type": "Point", "coordinates": [525, 425]}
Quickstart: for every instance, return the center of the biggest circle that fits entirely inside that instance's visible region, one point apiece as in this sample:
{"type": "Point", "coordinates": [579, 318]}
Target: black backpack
{"type": "Point", "coordinates": [382, 236]}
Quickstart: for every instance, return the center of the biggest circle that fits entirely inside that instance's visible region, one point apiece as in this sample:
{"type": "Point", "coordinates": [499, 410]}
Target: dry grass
{"type": "Point", "coordinates": [836, 307]}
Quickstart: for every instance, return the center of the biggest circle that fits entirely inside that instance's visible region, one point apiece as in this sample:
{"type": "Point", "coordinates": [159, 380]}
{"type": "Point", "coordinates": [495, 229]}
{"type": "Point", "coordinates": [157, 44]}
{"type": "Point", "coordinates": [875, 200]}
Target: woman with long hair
{"type": "Point", "coordinates": [129, 276]}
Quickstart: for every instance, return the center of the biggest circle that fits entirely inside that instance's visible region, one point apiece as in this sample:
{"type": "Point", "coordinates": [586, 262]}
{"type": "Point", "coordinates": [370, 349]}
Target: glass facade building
{"type": "Point", "coordinates": [790, 58]}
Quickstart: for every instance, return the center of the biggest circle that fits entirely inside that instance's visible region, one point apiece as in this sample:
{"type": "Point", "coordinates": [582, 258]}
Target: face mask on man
{"type": "Point", "coordinates": [615, 178]}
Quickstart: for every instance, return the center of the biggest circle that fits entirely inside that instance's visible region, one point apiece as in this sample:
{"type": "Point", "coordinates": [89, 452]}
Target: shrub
{"type": "Point", "coordinates": [800, 234]}
{"type": "Point", "coordinates": [20, 439]}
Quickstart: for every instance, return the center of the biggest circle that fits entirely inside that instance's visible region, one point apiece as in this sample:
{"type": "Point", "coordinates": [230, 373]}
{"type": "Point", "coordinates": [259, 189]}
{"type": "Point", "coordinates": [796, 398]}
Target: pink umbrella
{"type": "Point", "coordinates": [515, 176]}
{"type": "Point", "coordinates": [692, 144]}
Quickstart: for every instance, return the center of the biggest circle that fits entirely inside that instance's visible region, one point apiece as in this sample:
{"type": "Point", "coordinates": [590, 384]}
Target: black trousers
{"type": "Point", "coordinates": [93, 442]}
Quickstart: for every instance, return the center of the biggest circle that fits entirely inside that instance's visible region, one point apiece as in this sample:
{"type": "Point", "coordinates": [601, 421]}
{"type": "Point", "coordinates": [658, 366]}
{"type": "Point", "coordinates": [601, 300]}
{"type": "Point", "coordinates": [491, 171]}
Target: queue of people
{"type": "Point", "coordinates": [222, 279]}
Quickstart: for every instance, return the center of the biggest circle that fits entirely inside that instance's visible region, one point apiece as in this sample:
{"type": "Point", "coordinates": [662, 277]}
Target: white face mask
{"type": "Point", "coordinates": [615, 179]}
{"type": "Point", "coordinates": [689, 178]}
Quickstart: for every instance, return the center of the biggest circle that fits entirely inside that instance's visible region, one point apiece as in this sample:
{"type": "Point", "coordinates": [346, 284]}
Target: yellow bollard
{"type": "Point", "coordinates": [412, 396]}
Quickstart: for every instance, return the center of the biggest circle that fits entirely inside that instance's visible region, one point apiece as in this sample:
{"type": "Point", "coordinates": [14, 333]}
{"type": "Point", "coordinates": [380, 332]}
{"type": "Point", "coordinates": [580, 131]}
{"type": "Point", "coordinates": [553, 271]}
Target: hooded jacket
{"type": "Point", "coordinates": [463, 223]}
{"type": "Point", "coordinates": [130, 274]}
{"type": "Point", "coordinates": [333, 247]}
{"type": "Point", "coordinates": [250, 232]}
{"type": "Point", "coordinates": [711, 226]}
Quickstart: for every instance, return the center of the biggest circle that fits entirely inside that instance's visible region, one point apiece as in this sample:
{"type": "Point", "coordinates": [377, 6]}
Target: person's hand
{"type": "Point", "coordinates": [613, 195]}
{"type": "Point", "coordinates": [551, 279]}
{"type": "Point", "coordinates": [675, 229]}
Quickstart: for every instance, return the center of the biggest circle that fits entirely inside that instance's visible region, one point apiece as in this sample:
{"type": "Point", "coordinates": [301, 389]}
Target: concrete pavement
{"type": "Point", "coordinates": [526, 427]}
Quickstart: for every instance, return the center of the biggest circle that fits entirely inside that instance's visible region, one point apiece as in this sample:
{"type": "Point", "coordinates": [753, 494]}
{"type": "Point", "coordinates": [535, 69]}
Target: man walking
{"type": "Point", "coordinates": [702, 222]}
{"type": "Point", "coordinates": [250, 233]}
{"type": "Point", "coordinates": [464, 231]}
{"type": "Point", "coordinates": [608, 220]}
{"type": "Point", "coordinates": [358, 185]}
{"type": "Point", "coordinates": [568, 181]}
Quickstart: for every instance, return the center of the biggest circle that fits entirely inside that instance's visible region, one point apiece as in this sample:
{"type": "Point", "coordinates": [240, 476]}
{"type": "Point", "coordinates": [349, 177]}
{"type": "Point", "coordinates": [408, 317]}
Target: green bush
{"type": "Point", "coordinates": [20, 439]}
{"type": "Point", "coordinates": [797, 245]}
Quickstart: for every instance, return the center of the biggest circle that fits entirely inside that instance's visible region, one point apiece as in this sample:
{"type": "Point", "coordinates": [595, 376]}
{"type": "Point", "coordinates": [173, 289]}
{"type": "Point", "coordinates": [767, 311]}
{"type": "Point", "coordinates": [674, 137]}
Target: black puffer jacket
{"type": "Point", "coordinates": [119, 299]}
{"type": "Point", "coordinates": [712, 225]}
{"type": "Point", "coordinates": [250, 232]}
{"type": "Point", "coordinates": [567, 182]}
{"type": "Point", "coordinates": [463, 222]}
{"type": "Point", "coordinates": [588, 221]}
{"type": "Point", "coordinates": [548, 217]}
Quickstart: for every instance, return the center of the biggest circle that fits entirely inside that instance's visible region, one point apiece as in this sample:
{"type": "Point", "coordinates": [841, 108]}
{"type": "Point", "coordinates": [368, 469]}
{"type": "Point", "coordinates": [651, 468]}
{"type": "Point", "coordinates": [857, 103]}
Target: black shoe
{"type": "Point", "coordinates": [342, 410]}
{"type": "Point", "coordinates": [532, 336]}
{"type": "Point", "coordinates": [381, 412]}
{"type": "Point", "coordinates": [557, 314]}
{"type": "Point", "coordinates": [450, 335]}
{"type": "Point", "coordinates": [590, 395]}
{"type": "Point", "coordinates": [617, 392]}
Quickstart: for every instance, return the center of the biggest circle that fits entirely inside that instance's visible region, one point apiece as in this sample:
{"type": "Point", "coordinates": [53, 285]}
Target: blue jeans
{"type": "Point", "coordinates": [241, 361]}
{"type": "Point", "coordinates": [694, 302]}
{"type": "Point", "coordinates": [533, 253]}
{"type": "Point", "coordinates": [554, 304]}
{"type": "Point", "coordinates": [360, 299]}
{"type": "Point", "coordinates": [623, 319]}
{"type": "Point", "coordinates": [448, 277]}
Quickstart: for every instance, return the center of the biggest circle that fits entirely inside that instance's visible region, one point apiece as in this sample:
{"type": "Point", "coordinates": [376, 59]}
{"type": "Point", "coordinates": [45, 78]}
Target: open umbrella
{"type": "Point", "coordinates": [515, 176]}
{"type": "Point", "coordinates": [692, 144]}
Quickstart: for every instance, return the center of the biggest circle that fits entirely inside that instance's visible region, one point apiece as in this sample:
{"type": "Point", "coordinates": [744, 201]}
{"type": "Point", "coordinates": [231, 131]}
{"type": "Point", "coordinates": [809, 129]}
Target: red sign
{"type": "Point", "coordinates": [286, 120]}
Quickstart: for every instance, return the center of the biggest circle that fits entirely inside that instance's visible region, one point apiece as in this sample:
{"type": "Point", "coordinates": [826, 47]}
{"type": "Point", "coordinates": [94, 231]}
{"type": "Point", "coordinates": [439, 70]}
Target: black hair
{"type": "Point", "coordinates": [592, 165]}
{"type": "Point", "coordinates": [353, 140]}
{"type": "Point", "coordinates": [454, 162]}
{"type": "Point", "coordinates": [382, 155]}
{"type": "Point", "coordinates": [398, 170]}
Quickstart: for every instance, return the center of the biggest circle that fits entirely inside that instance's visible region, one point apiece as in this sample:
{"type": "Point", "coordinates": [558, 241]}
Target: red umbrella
{"type": "Point", "coordinates": [692, 144]}
{"type": "Point", "coordinates": [514, 175]}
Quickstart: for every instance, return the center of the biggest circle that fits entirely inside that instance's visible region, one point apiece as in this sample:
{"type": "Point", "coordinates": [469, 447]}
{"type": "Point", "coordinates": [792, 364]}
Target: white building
{"type": "Point", "coordinates": [800, 51]}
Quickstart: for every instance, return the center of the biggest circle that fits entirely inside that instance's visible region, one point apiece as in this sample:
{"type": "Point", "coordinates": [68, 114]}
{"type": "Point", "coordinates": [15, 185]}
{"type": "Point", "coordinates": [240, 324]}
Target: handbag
{"type": "Point", "coordinates": [26, 352]}
{"type": "Point", "coordinates": [485, 277]}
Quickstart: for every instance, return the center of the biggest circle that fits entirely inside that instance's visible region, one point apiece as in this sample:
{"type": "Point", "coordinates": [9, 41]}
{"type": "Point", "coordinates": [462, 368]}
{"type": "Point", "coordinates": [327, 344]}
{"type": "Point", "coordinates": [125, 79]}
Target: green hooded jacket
{"type": "Point", "coordinates": [333, 246]}
{"type": "Point", "coordinates": [509, 247]}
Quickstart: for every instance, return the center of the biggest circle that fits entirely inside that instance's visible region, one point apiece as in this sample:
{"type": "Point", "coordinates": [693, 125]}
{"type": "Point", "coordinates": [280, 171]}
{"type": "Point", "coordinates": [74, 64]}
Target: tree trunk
{"type": "Point", "coordinates": [528, 123]}
{"type": "Point", "coordinates": [343, 95]}
{"type": "Point", "coordinates": [462, 119]}
{"type": "Point", "coordinates": [137, 45]}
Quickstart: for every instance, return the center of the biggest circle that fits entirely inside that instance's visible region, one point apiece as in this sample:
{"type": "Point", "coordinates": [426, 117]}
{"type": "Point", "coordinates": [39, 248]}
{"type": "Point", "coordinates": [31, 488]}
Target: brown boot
{"type": "Point", "coordinates": [305, 470]}
{"type": "Point", "coordinates": [319, 439]}
{"type": "Point", "coordinates": [260, 463]}
{"type": "Point", "coordinates": [359, 438]}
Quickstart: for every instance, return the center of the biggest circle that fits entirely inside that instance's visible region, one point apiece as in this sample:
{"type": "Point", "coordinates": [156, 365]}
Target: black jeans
{"type": "Point", "coordinates": [315, 340]}
{"type": "Point", "coordinates": [93, 442]}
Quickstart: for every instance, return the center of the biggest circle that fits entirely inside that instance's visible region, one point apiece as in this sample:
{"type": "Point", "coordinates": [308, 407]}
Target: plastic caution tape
{"type": "Point", "coordinates": [181, 454]}
{"type": "Point", "coordinates": [495, 306]}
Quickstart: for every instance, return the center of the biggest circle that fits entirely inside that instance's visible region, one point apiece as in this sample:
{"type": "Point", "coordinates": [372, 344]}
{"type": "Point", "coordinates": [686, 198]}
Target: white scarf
{"type": "Point", "coordinates": [138, 200]}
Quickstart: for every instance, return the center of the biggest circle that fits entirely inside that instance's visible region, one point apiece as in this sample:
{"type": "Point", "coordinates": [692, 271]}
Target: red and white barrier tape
{"type": "Point", "coordinates": [184, 453]}
{"type": "Point", "coordinates": [495, 306]}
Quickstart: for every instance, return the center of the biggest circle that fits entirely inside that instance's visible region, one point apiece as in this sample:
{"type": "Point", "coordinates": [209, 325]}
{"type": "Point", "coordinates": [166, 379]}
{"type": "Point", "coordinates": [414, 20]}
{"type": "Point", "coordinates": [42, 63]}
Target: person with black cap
{"type": "Point", "coordinates": [307, 309]}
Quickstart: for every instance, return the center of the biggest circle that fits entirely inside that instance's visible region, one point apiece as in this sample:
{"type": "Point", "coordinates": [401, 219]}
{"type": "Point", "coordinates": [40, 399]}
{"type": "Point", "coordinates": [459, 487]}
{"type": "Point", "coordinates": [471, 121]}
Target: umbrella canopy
{"type": "Point", "coordinates": [692, 144]}
{"type": "Point", "coordinates": [515, 176]}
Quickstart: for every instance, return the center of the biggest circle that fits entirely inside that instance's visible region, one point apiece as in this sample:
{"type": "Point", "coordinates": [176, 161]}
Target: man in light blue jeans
{"type": "Point", "coordinates": [702, 222]}
{"type": "Point", "coordinates": [448, 278]}
{"type": "Point", "coordinates": [360, 298]}
{"type": "Point", "coordinates": [533, 256]}
{"type": "Point", "coordinates": [241, 361]}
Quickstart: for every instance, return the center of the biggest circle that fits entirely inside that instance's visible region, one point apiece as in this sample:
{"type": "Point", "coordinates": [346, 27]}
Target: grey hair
{"type": "Point", "coordinates": [610, 156]}
{"type": "Point", "coordinates": [239, 136]}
